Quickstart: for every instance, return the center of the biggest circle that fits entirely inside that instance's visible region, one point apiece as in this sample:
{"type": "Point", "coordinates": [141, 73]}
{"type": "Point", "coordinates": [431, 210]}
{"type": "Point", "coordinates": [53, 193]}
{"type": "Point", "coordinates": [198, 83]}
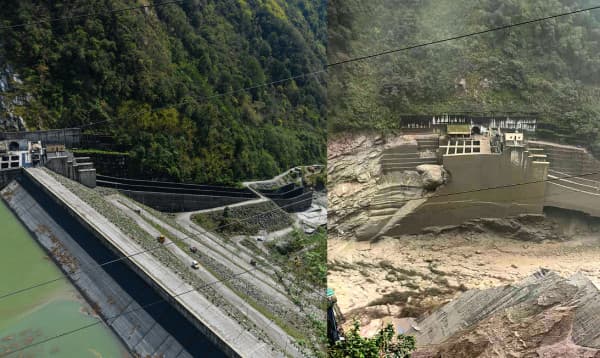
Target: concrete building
{"type": "Point", "coordinates": [20, 153]}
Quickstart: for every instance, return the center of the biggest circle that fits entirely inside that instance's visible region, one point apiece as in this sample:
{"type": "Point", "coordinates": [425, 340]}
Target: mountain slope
{"type": "Point", "coordinates": [156, 74]}
{"type": "Point", "coordinates": [550, 67]}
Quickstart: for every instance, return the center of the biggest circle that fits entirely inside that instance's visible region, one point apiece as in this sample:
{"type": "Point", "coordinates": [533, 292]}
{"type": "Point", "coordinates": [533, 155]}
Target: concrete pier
{"type": "Point", "coordinates": [225, 332]}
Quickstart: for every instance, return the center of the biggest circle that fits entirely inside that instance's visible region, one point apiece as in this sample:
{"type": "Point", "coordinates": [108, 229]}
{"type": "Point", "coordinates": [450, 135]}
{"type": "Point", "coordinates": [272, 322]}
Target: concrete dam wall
{"type": "Point", "coordinates": [402, 206]}
{"type": "Point", "coordinates": [69, 137]}
{"type": "Point", "coordinates": [519, 190]}
{"type": "Point", "coordinates": [192, 307]}
{"type": "Point", "coordinates": [574, 178]}
{"type": "Point", "coordinates": [114, 289]}
{"type": "Point", "coordinates": [290, 197]}
{"type": "Point", "coordinates": [6, 176]}
{"type": "Point", "coordinates": [176, 197]}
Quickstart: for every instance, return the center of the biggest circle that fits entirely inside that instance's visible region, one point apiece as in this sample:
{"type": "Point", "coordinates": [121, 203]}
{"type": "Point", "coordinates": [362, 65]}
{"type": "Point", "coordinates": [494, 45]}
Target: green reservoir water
{"type": "Point", "coordinates": [45, 311]}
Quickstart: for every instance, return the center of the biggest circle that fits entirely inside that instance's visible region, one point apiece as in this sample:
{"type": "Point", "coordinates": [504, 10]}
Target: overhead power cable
{"type": "Point", "coordinates": [367, 57]}
{"type": "Point", "coordinates": [308, 74]}
{"type": "Point", "coordinates": [256, 268]}
{"type": "Point", "coordinates": [99, 321]}
{"type": "Point", "coordinates": [12, 293]}
{"type": "Point", "coordinates": [40, 284]}
{"type": "Point", "coordinates": [458, 37]}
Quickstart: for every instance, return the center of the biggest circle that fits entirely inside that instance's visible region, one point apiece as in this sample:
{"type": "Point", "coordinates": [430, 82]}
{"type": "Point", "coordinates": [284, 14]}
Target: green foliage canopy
{"type": "Point", "coordinates": [170, 64]}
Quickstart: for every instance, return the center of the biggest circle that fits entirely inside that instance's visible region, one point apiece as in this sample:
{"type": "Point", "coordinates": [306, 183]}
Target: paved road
{"type": "Point", "coordinates": [198, 306]}
{"type": "Point", "coordinates": [139, 331]}
{"type": "Point", "coordinates": [221, 252]}
{"type": "Point", "coordinates": [277, 335]}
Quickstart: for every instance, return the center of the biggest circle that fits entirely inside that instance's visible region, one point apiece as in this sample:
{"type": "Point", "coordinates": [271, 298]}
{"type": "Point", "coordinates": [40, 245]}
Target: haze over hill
{"type": "Point", "coordinates": [549, 67]}
{"type": "Point", "coordinates": [118, 67]}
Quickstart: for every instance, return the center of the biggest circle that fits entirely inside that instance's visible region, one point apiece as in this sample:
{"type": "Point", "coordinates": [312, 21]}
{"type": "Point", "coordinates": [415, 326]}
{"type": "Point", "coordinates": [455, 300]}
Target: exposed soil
{"type": "Point", "coordinates": [412, 275]}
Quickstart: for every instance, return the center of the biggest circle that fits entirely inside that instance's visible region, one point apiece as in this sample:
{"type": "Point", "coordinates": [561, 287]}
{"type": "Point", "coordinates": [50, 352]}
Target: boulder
{"type": "Point", "coordinates": [432, 175]}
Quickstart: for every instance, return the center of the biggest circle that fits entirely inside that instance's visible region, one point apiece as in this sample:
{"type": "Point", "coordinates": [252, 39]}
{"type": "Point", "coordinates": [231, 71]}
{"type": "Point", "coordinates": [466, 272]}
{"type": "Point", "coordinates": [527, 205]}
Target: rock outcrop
{"type": "Point", "coordinates": [432, 175]}
{"type": "Point", "coordinates": [9, 121]}
{"type": "Point", "coordinates": [363, 198]}
{"type": "Point", "coordinates": [545, 315]}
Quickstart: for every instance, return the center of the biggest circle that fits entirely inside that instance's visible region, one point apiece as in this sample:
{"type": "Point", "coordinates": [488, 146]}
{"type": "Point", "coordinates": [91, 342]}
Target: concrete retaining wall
{"type": "Point", "coordinates": [70, 137]}
{"type": "Point", "coordinates": [173, 202]}
{"type": "Point", "coordinates": [176, 197]}
{"type": "Point", "coordinates": [467, 195]}
{"type": "Point", "coordinates": [568, 196]}
{"type": "Point", "coordinates": [91, 221]}
{"type": "Point", "coordinates": [295, 204]}
{"type": "Point", "coordinates": [79, 169]}
{"type": "Point", "coordinates": [6, 176]}
{"type": "Point", "coordinates": [109, 164]}
{"type": "Point", "coordinates": [290, 197]}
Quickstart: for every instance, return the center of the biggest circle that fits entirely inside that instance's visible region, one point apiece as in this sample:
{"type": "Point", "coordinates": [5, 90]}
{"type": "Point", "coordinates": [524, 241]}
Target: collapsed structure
{"type": "Point", "coordinates": [461, 168]}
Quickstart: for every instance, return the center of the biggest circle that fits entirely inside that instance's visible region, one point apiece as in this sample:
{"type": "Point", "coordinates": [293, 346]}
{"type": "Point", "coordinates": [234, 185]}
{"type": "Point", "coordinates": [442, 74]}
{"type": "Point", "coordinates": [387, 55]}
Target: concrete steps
{"type": "Point", "coordinates": [80, 169]}
{"type": "Point", "coordinates": [428, 143]}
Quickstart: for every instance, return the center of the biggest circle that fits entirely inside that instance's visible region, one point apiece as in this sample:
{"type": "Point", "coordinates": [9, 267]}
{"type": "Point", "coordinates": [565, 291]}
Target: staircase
{"type": "Point", "coordinates": [404, 157]}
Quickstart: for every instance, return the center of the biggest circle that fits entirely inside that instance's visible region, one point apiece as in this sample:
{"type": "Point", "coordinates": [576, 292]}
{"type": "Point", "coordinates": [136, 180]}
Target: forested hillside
{"type": "Point", "coordinates": [156, 74]}
{"type": "Point", "coordinates": [552, 67]}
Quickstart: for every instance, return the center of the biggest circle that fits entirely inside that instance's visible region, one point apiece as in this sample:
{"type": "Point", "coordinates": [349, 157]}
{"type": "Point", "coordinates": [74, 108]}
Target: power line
{"type": "Point", "coordinates": [256, 268]}
{"type": "Point", "coordinates": [127, 312]}
{"type": "Point", "coordinates": [91, 14]}
{"type": "Point", "coordinates": [366, 57]}
{"type": "Point", "coordinates": [504, 186]}
{"type": "Point", "coordinates": [278, 208]}
{"type": "Point", "coordinates": [458, 37]}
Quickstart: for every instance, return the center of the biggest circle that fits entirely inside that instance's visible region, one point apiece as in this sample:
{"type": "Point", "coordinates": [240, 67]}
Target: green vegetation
{"type": "Point", "coordinates": [155, 76]}
{"type": "Point", "coordinates": [98, 151]}
{"type": "Point", "coordinates": [244, 220]}
{"type": "Point", "coordinates": [551, 67]}
{"type": "Point", "coordinates": [383, 345]}
{"type": "Point", "coordinates": [303, 255]}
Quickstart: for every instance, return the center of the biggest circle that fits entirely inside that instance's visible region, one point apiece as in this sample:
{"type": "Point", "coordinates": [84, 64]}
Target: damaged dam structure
{"type": "Point", "coordinates": [454, 170]}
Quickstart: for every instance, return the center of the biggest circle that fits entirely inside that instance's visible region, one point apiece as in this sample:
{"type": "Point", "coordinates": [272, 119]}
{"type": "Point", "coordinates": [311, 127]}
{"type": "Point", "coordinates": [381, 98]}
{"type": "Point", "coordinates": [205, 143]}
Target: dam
{"type": "Point", "coordinates": [116, 293]}
{"type": "Point", "coordinates": [152, 311]}
{"type": "Point", "coordinates": [483, 172]}
{"type": "Point", "coordinates": [45, 311]}
{"type": "Point", "coordinates": [158, 302]}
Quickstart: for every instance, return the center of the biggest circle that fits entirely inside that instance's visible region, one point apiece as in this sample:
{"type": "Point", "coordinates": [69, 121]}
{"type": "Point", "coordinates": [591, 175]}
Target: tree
{"type": "Point", "coordinates": [383, 345]}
